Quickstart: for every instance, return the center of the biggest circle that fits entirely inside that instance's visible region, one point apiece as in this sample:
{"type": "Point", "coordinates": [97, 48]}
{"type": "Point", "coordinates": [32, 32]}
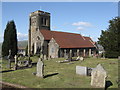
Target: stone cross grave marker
{"type": "Point", "coordinates": [98, 77]}
{"type": "Point", "coordinates": [40, 68]}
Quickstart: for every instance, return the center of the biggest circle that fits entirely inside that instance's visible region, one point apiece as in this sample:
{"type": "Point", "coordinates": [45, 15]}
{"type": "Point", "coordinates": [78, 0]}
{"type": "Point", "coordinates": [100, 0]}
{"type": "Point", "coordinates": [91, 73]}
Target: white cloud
{"type": "Point", "coordinates": [21, 36]}
{"type": "Point", "coordinates": [80, 28]}
{"type": "Point", "coordinates": [86, 24]}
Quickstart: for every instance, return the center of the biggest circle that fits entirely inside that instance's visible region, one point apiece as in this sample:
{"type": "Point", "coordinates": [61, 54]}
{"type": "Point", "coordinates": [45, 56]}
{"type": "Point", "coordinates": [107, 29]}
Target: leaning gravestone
{"type": "Point", "coordinates": [98, 77]}
{"type": "Point", "coordinates": [78, 58]}
{"type": "Point", "coordinates": [40, 68]}
{"type": "Point", "coordinates": [81, 70]}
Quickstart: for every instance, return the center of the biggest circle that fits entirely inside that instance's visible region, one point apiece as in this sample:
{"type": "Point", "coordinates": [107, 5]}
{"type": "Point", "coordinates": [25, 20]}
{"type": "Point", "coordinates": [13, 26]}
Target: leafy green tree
{"type": "Point", "coordinates": [10, 39]}
{"type": "Point", "coordinates": [109, 38]}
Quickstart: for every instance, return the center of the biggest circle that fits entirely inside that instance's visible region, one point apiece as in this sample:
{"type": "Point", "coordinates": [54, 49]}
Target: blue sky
{"type": "Point", "coordinates": [86, 18]}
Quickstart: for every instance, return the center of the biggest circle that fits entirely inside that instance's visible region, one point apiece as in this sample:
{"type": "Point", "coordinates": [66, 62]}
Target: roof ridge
{"type": "Point", "coordinates": [67, 32]}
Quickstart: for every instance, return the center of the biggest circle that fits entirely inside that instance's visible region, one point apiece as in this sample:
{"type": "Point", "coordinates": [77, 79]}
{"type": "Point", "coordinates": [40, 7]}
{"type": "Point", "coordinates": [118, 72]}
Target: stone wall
{"type": "Point", "coordinates": [37, 41]}
{"type": "Point", "coordinates": [53, 49]}
{"type": "Point", "coordinates": [45, 48]}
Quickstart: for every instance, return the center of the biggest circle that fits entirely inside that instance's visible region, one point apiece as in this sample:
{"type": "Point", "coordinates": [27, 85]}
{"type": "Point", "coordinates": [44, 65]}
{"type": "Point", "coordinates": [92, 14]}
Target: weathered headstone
{"type": "Point", "coordinates": [41, 56]}
{"type": "Point", "coordinates": [98, 77]}
{"type": "Point", "coordinates": [45, 58]}
{"type": "Point", "coordinates": [16, 61]}
{"type": "Point", "coordinates": [65, 53]}
{"type": "Point", "coordinates": [86, 71]}
{"type": "Point", "coordinates": [40, 68]}
{"type": "Point", "coordinates": [81, 70]}
{"type": "Point", "coordinates": [118, 57]}
{"type": "Point", "coordinates": [9, 59]}
{"type": "Point", "coordinates": [70, 56]}
{"type": "Point", "coordinates": [81, 58]}
{"type": "Point", "coordinates": [78, 58]}
{"type": "Point", "coordinates": [89, 71]}
{"type": "Point", "coordinates": [78, 52]}
{"type": "Point", "coordinates": [66, 56]}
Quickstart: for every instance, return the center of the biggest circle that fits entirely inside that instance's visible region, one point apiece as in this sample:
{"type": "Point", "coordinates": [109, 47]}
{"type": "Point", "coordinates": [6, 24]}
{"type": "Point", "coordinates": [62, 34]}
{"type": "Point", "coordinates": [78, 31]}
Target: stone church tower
{"type": "Point", "coordinates": [38, 20]}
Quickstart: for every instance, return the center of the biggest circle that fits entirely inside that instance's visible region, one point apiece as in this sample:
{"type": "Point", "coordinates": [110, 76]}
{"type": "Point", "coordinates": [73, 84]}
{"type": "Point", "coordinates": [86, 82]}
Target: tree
{"type": "Point", "coordinates": [10, 39]}
{"type": "Point", "coordinates": [109, 38]}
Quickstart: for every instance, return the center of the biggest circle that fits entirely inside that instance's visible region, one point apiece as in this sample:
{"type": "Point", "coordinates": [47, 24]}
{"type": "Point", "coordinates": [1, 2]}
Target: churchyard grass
{"type": "Point", "coordinates": [65, 77]}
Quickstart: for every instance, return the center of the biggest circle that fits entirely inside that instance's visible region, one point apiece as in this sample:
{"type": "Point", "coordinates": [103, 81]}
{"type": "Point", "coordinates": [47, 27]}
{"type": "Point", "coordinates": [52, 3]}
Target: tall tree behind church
{"type": "Point", "coordinates": [10, 39]}
{"type": "Point", "coordinates": [109, 38]}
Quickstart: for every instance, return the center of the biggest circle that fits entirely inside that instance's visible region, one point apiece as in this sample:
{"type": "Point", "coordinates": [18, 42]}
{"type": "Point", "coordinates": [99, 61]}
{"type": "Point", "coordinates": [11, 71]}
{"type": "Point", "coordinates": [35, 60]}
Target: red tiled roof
{"type": "Point", "coordinates": [67, 40]}
{"type": "Point", "coordinates": [47, 34]}
{"type": "Point", "coordinates": [88, 38]}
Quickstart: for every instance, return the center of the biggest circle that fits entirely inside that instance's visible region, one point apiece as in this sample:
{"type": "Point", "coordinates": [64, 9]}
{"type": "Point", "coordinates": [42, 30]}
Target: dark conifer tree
{"type": "Point", "coordinates": [109, 38]}
{"type": "Point", "coordinates": [10, 39]}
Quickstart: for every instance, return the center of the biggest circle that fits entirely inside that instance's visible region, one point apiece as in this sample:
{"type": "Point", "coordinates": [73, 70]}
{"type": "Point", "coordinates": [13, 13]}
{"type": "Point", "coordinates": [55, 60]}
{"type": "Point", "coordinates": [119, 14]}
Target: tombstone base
{"type": "Point", "coordinates": [15, 67]}
{"type": "Point", "coordinates": [39, 76]}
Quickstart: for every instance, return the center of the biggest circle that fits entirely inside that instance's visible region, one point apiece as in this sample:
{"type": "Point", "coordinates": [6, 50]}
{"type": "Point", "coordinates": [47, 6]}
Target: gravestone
{"type": "Point", "coordinates": [45, 58]}
{"type": "Point", "coordinates": [78, 58]}
{"type": "Point", "coordinates": [118, 57]}
{"type": "Point", "coordinates": [98, 77]}
{"type": "Point", "coordinates": [41, 56]}
{"type": "Point", "coordinates": [16, 61]}
{"type": "Point", "coordinates": [66, 57]}
{"type": "Point", "coordinates": [70, 56]}
{"type": "Point", "coordinates": [81, 58]}
{"type": "Point", "coordinates": [81, 70]}
{"type": "Point", "coordinates": [9, 59]}
{"type": "Point", "coordinates": [40, 68]}
{"type": "Point", "coordinates": [78, 52]}
{"type": "Point", "coordinates": [89, 71]}
{"type": "Point", "coordinates": [65, 53]}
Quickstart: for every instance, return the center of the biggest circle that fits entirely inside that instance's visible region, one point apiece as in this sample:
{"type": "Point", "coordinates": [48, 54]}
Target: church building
{"type": "Point", "coordinates": [55, 44]}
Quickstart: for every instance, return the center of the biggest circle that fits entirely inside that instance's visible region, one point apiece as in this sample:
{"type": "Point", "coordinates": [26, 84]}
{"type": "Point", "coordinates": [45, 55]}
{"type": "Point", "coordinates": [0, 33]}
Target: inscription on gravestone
{"type": "Point", "coordinates": [81, 70]}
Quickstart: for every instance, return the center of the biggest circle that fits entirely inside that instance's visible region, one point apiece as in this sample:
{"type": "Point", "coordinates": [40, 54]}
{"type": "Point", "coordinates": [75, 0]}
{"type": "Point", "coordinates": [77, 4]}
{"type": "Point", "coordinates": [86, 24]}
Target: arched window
{"type": "Point", "coordinates": [38, 38]}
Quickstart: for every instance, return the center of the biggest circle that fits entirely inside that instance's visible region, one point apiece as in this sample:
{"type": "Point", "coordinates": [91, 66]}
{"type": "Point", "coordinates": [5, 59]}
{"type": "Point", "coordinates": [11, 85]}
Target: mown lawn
{"type": "Point", "coordinates": [65, 74]}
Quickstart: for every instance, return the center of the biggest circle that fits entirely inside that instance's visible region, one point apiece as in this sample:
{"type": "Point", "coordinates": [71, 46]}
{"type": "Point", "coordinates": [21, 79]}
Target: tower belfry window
{"type": "Point", "coordinates": [44, 21]}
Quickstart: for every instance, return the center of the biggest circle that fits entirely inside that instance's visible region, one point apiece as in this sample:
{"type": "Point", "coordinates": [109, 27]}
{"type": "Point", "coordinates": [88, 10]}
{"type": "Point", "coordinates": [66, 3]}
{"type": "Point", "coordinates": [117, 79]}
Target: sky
{"type": "Point", "coordinates": [85, 18]}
